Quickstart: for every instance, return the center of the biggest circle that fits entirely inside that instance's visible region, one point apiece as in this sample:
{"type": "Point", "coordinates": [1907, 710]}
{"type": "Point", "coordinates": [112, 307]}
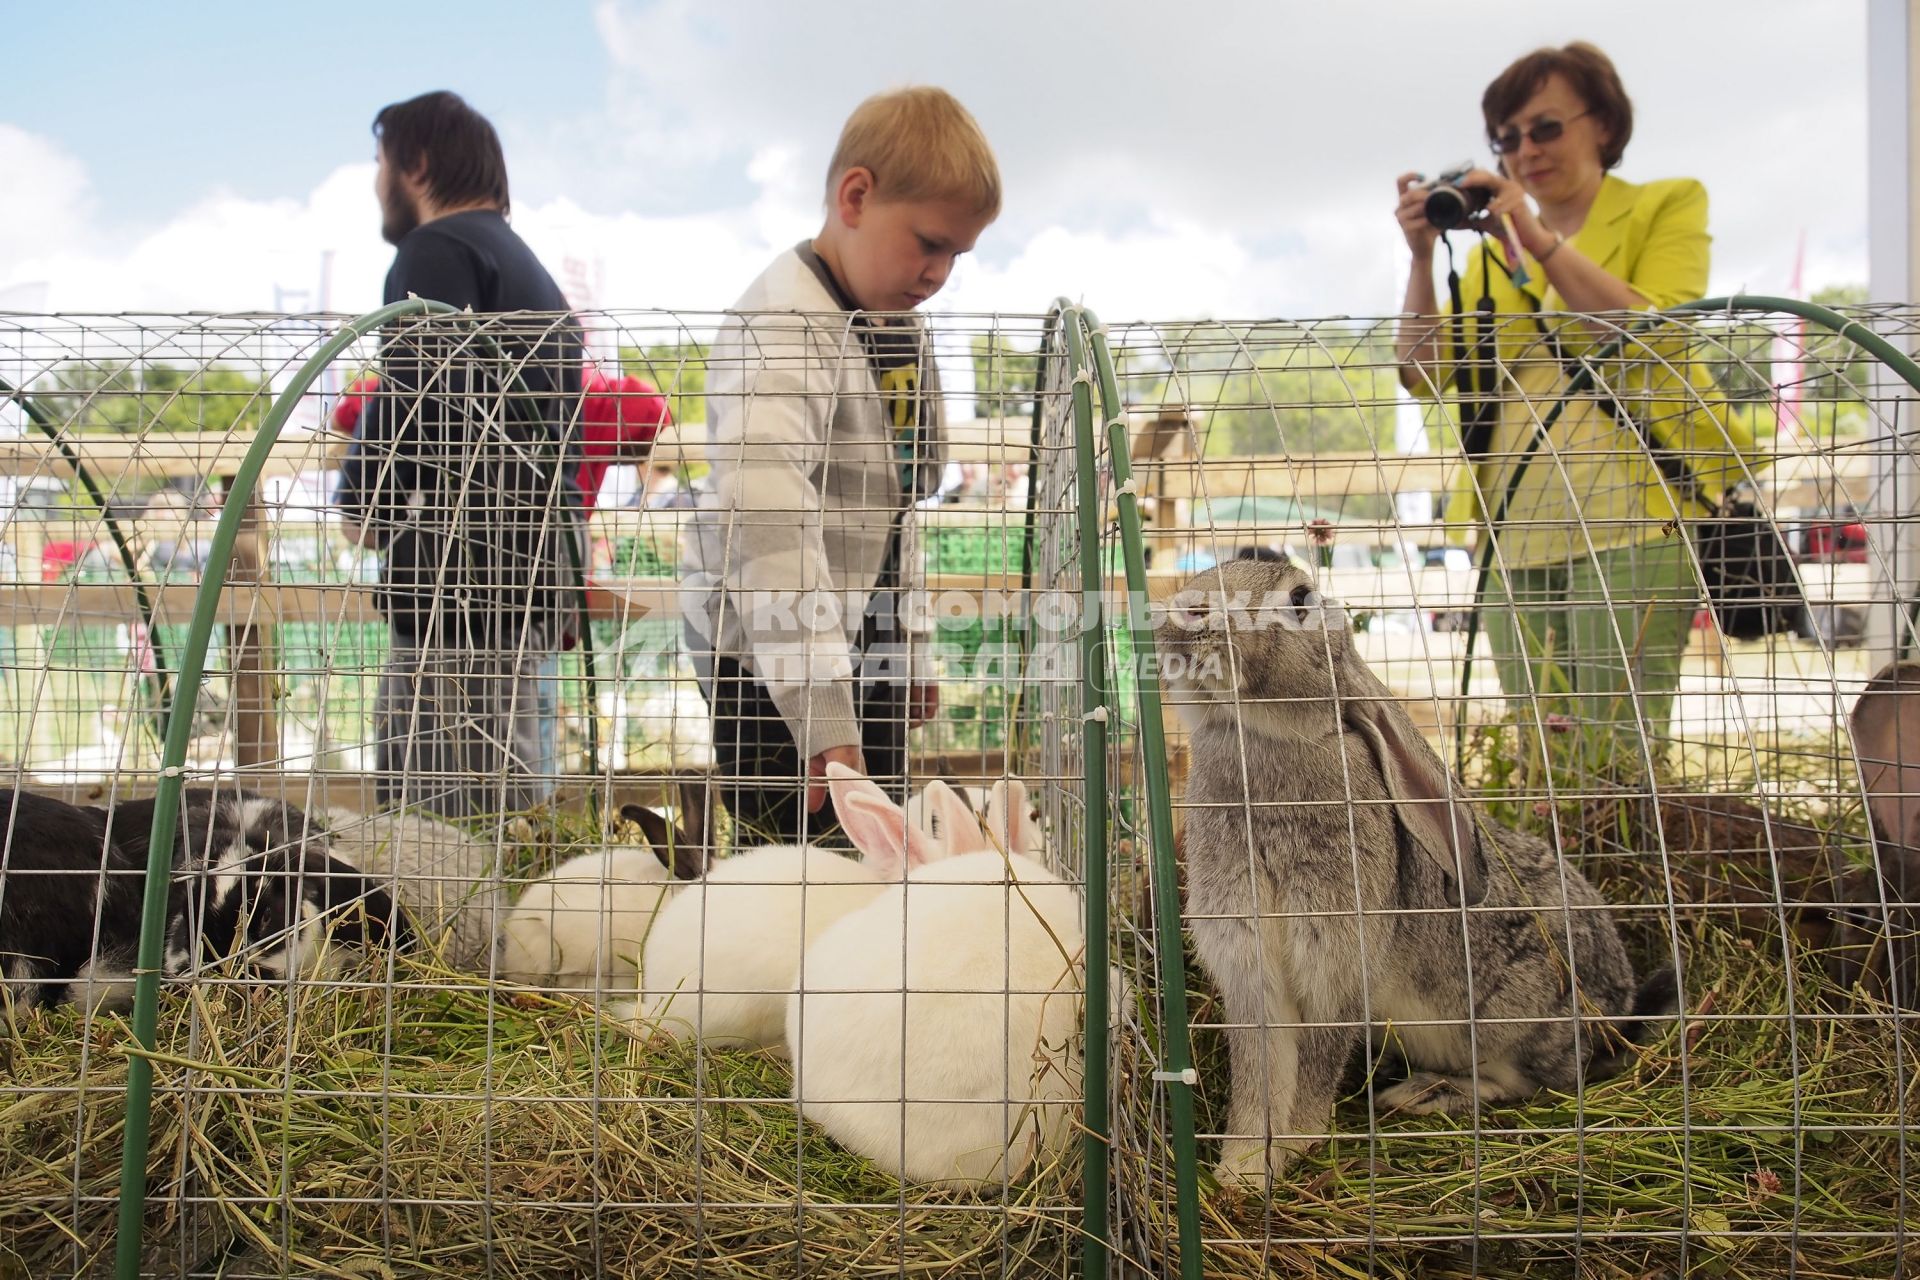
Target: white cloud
{"type": "Point", "coordinates": [1259, 119]}
{"type": "Point", "coordinates": [47, 193]}
{"type": "Point", "coordinates": [1223, 159]}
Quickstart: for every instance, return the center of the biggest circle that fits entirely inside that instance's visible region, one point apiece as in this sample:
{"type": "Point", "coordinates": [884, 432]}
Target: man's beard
{"type": "Point", "coordinates": [398, 216]}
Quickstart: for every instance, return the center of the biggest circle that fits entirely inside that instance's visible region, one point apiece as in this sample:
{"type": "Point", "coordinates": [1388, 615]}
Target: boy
{"type": "Point", "coordinates": [824, 427]}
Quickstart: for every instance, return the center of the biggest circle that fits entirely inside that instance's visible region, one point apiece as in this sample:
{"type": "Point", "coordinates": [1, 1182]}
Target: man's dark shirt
{"type": "Point", "coordinates": [462, 466]}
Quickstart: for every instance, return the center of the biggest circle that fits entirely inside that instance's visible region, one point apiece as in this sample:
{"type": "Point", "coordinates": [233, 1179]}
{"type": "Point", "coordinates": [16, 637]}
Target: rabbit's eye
{"type": "Point", "coordinates": [1300, 597]}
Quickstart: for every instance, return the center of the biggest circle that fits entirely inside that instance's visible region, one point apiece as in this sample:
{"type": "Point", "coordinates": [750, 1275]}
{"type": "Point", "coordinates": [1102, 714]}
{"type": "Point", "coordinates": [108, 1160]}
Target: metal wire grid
{"type": "Point", "coordinates": [1345, 366]}
{"type": "Point", "coordinates": [1720, 832]}
{"type": "Point", "coordinates": [519, 1078]}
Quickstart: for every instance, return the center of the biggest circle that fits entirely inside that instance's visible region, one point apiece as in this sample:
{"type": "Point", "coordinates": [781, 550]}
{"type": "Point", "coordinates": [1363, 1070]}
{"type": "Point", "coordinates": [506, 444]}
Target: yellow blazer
{"type": "Point", "coordinates": [1589, 484]}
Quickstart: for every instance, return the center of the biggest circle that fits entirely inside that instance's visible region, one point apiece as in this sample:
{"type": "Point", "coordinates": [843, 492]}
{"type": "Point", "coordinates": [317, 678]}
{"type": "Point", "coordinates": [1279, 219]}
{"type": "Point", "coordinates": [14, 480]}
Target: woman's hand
{"type": "Point", "coordinates": [1412, 215]}
{"type": "Point", "coordinates": [1509, 199]}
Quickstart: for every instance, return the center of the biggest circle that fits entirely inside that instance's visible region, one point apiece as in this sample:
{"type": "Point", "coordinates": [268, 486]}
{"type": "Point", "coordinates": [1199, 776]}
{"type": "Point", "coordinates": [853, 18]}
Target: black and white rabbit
{"type": "Point", "coordinates": [1331, 863]}
{"type": "Point", "coordinates": [249, 874]}
{"type": "Point", "coordinates": [1876, 938]}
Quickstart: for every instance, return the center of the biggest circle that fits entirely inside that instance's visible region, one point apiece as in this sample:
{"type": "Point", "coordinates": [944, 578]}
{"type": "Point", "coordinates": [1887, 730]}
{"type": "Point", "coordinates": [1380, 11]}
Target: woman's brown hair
{"type": "Point", "coordinates": [1588, 72]}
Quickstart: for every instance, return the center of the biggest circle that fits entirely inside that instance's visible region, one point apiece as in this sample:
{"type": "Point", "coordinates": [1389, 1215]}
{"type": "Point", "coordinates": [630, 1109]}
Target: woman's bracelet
{"type": "Point", "coordinates": [1559, 239]}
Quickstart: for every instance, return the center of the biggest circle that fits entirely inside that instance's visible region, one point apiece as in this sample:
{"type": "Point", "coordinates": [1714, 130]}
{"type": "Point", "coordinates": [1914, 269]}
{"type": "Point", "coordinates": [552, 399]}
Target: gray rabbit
{"type": "Point", "coordinates": [1331, 863]}
{"type": "Point", "coordinates": [1876, 938]}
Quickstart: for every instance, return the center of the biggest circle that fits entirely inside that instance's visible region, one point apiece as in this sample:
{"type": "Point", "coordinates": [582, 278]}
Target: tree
{"type": "Point", "coordinates": [1269, 389]}
{"type": "Point", "coordinates": [678, 369]}
{"type": "Point", "coordinates": [1004, 377]}
{"type": "Point", "coordinates": [1837, 372]}
{"type": "Point", "coordinates": [139, 399]}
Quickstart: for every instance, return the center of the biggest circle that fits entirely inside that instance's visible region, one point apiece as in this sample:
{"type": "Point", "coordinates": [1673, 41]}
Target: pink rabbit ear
{"type": "Point", "coordinates": [959, 826]}
{"type": "Point", "coordinates": [877, 826]}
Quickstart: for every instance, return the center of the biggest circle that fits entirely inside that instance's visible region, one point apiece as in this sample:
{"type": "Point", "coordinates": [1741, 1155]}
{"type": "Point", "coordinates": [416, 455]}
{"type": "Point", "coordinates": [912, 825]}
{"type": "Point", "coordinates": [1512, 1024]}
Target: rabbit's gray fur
{"type": "Point", "coordinates": [1304, 798]}
{"type": "Point", "coordinates": [447, 881]}
{"type": "Point", "coordinates": [1876, 940]}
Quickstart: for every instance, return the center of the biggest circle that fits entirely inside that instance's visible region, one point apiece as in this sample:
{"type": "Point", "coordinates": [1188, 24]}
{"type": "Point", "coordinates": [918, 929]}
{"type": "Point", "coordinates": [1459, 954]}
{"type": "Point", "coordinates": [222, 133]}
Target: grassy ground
{"type": "Point", "coordinates": [1753, 1143]}
{"type": "Point", "coordinates": [434, 1127]}
{"type": "Point", "coordinates": [439, 1129]}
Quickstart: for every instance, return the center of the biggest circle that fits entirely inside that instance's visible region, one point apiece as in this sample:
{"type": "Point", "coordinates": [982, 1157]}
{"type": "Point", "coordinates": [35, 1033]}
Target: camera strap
{"type": "Point", "coordinates": [1474, 376]}
{"type": "Point", "coordinates": [1672, 465]}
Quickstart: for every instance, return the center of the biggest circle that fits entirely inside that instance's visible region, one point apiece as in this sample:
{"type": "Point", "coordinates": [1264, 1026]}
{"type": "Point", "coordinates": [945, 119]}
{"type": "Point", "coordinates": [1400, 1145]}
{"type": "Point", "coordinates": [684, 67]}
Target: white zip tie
{"type": "Point", "coordinates": [173, 771]}
{"type": "Point", "coordinates": [1186, 1077]}
{"type": "Point", "coordinates": [1084, 378]}
{"type": "Point", "coordinates": [1098, 713]}
{"type": "Point", "coordinates": [1128, 486]}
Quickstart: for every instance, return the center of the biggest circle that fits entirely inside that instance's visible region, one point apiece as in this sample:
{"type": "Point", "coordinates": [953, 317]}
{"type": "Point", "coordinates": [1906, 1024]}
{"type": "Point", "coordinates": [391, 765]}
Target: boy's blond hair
{"type": "Point", "coordinates": [920, 144]}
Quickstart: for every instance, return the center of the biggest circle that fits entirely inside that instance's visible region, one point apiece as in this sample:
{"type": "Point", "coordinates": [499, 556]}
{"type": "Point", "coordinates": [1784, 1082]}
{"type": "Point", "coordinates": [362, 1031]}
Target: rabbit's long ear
{"type": "Point", "coordinates": [957, 823]}
{"type": "Point", "coordinates": [1010, 816]}
{"type": "Point", "coordinates": [695, 831]}
{"type": "Point", "coordinates": [683, 848]}
{"type": "Point", "coordinates": [680, 856]}
{"type": "Point", "coordinates": [877, 826]}
{"type": "Point", "coordinates": [1886, 739]}
{"type": "Point", "coordinates": [1432, 810]}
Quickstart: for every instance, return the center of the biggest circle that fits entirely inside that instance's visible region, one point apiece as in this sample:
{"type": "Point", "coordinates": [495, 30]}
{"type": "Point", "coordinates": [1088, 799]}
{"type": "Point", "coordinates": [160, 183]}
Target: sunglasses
{"type": "Point", "coordinates": [1507, 141]}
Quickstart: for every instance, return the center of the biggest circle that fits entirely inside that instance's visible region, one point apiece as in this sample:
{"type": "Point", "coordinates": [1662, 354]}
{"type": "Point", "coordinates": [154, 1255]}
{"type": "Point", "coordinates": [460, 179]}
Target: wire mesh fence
{"type": "Point", "coordinates": [475, 603]}
{"type": "Point", "coordinates": [1649, 767]}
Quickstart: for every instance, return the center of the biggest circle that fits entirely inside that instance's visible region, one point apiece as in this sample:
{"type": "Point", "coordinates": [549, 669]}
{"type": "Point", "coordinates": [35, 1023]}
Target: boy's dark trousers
{"type": "Point", "coordinates": [760, 775]}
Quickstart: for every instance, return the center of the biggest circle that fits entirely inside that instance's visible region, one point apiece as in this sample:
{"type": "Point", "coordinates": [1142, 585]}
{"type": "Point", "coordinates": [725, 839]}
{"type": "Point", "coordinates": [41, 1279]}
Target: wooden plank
{"type": "Point", "coordinates": [996, 441]}
{"type": "Point", "coordinates": [111, 458]}
{"type": "Point", "coordinates": [250, 662]}
{"type": "Point", "coordinates": [276, 604]}
{"type": "Point", "coordinates": [317, 791]}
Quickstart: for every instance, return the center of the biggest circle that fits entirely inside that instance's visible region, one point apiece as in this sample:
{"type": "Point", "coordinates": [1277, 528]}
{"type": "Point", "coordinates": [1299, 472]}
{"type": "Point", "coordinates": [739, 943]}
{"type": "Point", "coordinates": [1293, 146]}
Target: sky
{"type": "Point", "coordinates": [1161, 161]}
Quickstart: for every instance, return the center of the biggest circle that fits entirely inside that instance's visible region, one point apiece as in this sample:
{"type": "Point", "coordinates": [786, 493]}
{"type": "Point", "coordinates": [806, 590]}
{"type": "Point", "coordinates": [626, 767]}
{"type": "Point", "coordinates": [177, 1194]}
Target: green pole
{"type": "Point", "coordinates": [1095, 1165]}
{"type": "Point", "coordinates": [1176, 1070]}
{"type": "Point", "coordinates": [134, 1142]}
{"type": "Point", "coordinates": [1826, 317]}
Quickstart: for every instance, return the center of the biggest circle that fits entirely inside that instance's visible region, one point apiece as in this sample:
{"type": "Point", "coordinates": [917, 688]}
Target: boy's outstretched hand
{"type": "Point", "coordinates": [817, 772]}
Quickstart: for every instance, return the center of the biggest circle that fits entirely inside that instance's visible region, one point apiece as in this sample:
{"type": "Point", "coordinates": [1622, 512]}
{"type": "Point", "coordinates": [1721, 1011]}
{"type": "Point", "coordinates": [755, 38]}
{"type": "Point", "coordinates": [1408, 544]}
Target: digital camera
{"type": "Point", "coordinates": [1451, 206]}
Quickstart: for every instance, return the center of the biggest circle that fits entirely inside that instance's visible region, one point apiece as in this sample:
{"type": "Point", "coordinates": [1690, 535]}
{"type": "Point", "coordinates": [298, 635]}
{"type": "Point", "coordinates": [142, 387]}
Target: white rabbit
{"type": "Point", "coordinates": [581, 928]}
{"type": "Point", "coordinates": [936, 1031]}
{"type": "Point", "coordinates": [1009, 815]}
{"type": "Point", "coordinates": [723, 954]}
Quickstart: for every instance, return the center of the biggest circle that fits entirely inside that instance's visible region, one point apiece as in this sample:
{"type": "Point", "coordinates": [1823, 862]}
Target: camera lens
{"type": "Point", "coordinates": [1448, 207]}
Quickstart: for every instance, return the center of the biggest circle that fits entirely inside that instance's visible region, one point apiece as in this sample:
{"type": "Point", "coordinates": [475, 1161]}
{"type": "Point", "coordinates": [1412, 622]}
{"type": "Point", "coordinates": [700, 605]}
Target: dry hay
{"type": "Point", "coordinates": [441, 1128]}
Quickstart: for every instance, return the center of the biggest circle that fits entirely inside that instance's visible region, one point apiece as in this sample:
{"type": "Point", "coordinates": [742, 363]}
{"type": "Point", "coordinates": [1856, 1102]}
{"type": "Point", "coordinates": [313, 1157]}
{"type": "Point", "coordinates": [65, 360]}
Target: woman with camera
{"type": "Point", "coordinates": [1591, 599]}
